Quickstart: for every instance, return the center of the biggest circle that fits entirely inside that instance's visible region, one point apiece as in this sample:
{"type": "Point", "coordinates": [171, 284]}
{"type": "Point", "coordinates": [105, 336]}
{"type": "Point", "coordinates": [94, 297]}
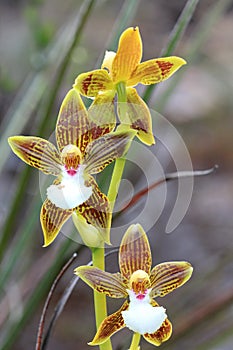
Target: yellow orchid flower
{"type": "Point", "coordinates": [141, 284]}
{"type": "Point", "coordinates": [84, 148]}
{"type": "Point", "coordinates": [123, 70]}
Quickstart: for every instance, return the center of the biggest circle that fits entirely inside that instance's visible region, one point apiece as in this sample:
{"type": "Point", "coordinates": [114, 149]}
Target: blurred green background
{"type": "Point", "coordinates": [44, 45]}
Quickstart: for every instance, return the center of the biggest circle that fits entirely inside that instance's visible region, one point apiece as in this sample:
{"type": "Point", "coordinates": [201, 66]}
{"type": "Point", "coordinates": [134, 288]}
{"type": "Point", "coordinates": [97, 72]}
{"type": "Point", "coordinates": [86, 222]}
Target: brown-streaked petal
{"type": "Point", "coordinates": [109, 326]}
{"type": "Point", "coordinates": [110, 284]}
{"type": "Point", "coordinates": [134, 253]}
{"type": "Point", "coordinates": [91, 83]}
{"type": "Point", "coordinates": [155, 70]}
{"type": "Point", "coordinates": [52, 219]}
{"type": "Point", "coordinates": [128, 55]}
{"type": "Point", "coordinates": [168, 276]}
{"type": "Point", "coordinates": [73, 127]}
{"type": "Point", "coordinates": [97, 211]}
{"type": "Point", "coordinates": [106, 149]}
{"type": "Point", "coordinates": [101, 114]}
{"type": "Point", "coordinates": [37, 152]}
{"type": "Point", "coordinates": [136, 114]}
{"type": "Point", "coordinates": [161, 335]}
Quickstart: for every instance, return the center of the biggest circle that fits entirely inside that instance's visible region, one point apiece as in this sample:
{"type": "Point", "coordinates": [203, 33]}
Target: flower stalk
{"type": "Point", "coordinates": [135, 342]}
{"type": "Point", "coordinates": [99, 298]}
{"type": "Point", "coordinates": [100, 303]}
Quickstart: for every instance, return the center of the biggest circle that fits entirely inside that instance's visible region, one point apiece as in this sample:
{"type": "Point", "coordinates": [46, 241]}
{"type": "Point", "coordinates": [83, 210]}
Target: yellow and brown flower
{"type": "Point", "coordinates": [141, 285]}
{"type": "Point", "coordinates": [84, 148]}
{"type": "Point", "coordinates": [124, 70]}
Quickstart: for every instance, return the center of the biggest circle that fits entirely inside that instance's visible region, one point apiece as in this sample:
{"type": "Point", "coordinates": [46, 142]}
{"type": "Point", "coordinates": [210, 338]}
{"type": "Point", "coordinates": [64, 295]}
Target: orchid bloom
{"type": "Point", "coordinates": [140, 284]}
{"type": "Point", "coordinates": [121, 71]}
{"type": "Point", "coordinates": [84, 148]}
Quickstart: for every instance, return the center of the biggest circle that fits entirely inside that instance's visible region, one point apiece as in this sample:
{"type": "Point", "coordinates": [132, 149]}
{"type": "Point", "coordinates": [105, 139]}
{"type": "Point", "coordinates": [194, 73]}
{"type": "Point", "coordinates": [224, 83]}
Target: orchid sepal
{"type": "Point", "coordinates": [105, 150]}
{"type": "Point", "coordinates": [37, 152]}
{"type": "Point", "coordinates": [110, 325]}
{"type": "Point", "coordinates": [134, 253]}
{"type": "Point", "coordinates": [52, 219]}
{"type": "Point", "coordinates": [91, 83]}
{"type": "Point", "coordinates": [104, 282]}
{"type": "Point", "coordinates": [166, 277]}
{"type": "Point", "coordinates": [128, 55]}
{"type": "Point", "coordinates": [136, 114]}
{"type": "Point", "coordinates": [156, 70]}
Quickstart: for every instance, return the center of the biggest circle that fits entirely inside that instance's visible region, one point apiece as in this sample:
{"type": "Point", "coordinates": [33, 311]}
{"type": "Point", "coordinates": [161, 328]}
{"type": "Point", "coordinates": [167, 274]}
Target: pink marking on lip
{"type": "Point", "coordinates": [140, 296]}
{"type": "Point", "coordinates": [71, 172]}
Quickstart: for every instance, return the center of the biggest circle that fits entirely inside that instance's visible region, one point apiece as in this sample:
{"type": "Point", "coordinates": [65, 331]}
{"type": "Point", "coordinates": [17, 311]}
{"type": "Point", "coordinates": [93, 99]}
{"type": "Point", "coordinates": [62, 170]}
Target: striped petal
{"type": "Point", "coordinates": [128, 55]}
{"type": "Point", "coordinates": [136, 115]}
{"type": "Point", "coordinates": [110, 284]}
{"type": "Point", "coordinates": [161, 335]}
{"type": "Point", "coordinates": [52, 219]}
{"type": "Point", "coordinates": [109, 326]}
{"type": "Point", "coordinates": [106, 149]}
{"type": "Point", "coordinates": [134, 253]}
{"type": "Point", "coordinates": [73, 127]}
{"type": "Point", "coordinates": [101, 114]}
{"type": "Point", "coordinates": [91, 83]}
{"type": "Point", "coordinates": [96, 211]}
{"type": "Point", "coordinates": [37, 152]}
{"type": "Point", "coordinates": [168, 276]}
{"type": "Point", "coordinates": [155, 70]}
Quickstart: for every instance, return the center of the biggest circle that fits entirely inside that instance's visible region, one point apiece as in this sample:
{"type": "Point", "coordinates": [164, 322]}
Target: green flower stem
{"type": "Point", "coordinates": [135, 341]}
{"type": "Point", "coordinates": [121, 92]}
{"type": "Point", "coordinates": [98, 253]}
{"type": "Point", "coordinates": [122, 102]}
{"type": "Point", "coordinates": [100, 298]}
{"type": "Point", "coordinates": [120, 162]}
{"type": "Point", "coordinates": [115, 181]}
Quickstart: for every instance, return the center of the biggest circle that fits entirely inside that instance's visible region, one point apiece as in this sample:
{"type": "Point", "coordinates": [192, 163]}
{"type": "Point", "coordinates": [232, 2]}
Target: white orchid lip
{"type": "Point", "coordinates": [71, 191]}
{"type": "Point", "coordinates": [141, 317]}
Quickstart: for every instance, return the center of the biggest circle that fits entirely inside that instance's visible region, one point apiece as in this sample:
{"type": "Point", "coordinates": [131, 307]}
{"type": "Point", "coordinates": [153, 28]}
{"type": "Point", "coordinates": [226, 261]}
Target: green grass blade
{"type": "Point", "coordinates": [125, 17]}
{"type": "Point", "coordinates": [175, 36]}
{"type": "Point", "coordinates": [204, 28]}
